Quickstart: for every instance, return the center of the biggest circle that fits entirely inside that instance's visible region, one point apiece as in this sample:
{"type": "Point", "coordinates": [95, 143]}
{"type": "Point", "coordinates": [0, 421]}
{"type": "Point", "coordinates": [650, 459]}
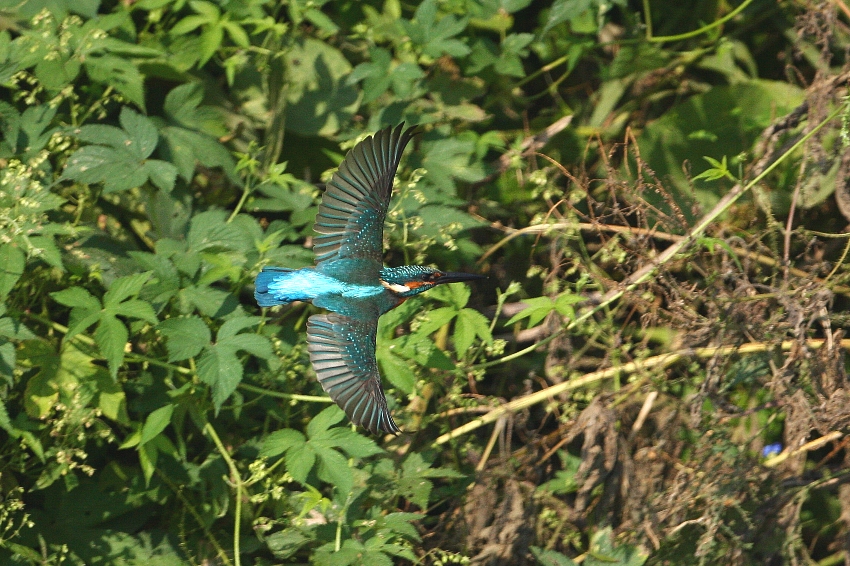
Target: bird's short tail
{"type": "Point", "coordinates": [267, 287]}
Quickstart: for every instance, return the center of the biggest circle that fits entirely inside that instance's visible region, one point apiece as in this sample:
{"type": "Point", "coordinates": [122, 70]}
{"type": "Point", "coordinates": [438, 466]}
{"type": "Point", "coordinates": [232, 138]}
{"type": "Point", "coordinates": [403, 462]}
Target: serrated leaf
{"type": "Point", "coordinates": [124, 288]}
{"type": "Point", "coordinates": [354, 444]}
{"type": "Point", "coordinates": [334, 468]}
{"type": "Point", "coordinates": [76, 297]}
{"type": "Point", "coordinates": [468, 325]}
{"type": "Point", "coordinates": [111, 337]}
{"type": "Point", "coordinates": [12, 262]}
{"type": "Point", "coordinates": [436, 319]}
{"type": "Point", "coordinates": [120, 73]}
{"type": "Point", "coordinates": [254, 344]}
{"type": "Point", "coordinates": [161, 173]}
{"type": "Point", "coordinates": [186, 337]}
{"type": "Point", "coordinates": [398, 371]}
{"type": "Point", "coordinates": [220, 369]}
{"type": "Point", "coordinates": [155, 423]}
{"type": "Point", "coordinates": [231, 327]}
{"type": "Point", "coordinates": [280, 441]}
{"type": "Point", "coordinates": [324, 420]}
{"type": "Point", "coordinates": [299, 461]}
{"type": "Point", "coordinates": [143, 136]}
{"type": "Point", "coordinates": [209, 230]}
{"type": "Point", "coordinates": [536, 310]}
{"type": "Point", "coordinates": [136, 308]}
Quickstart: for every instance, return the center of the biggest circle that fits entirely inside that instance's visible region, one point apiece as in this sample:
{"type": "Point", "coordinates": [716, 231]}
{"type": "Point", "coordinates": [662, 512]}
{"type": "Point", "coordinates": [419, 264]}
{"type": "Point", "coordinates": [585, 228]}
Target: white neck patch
{"type": "Point", "coordinates": [395, 287]}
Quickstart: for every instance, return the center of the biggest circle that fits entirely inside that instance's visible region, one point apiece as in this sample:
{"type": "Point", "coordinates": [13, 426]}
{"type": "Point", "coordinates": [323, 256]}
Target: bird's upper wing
{"type": "Point", "coordinates": [342, 351]}
{"type": "Point", "coordinates": [354, 206]}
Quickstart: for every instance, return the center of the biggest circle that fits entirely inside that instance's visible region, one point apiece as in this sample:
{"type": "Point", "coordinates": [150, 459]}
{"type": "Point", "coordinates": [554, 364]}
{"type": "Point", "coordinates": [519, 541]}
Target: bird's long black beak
{"type": "Point", "coordinates": [456, 277]}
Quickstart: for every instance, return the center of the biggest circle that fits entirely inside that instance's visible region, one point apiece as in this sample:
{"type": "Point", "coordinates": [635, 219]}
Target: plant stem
{"type": "Point", "coordinates": [237, 482]}
{"type": "Point", "coordinates": [655, 362]}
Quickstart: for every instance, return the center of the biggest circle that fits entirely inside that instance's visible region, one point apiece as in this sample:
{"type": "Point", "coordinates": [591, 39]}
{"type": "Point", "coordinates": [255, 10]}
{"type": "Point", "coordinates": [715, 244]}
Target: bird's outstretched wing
{"type": "Point", "coordinates": [342, 351]}
{"type": "Point", "coordinates": [354, 206]}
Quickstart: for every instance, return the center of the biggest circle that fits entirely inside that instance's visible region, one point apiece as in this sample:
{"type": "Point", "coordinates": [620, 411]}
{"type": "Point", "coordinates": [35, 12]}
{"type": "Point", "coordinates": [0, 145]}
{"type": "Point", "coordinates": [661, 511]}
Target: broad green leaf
{"type": "Point", "coordinates": [299, 461]}
{"type": "Point", "coordinates": [155, 423]}
{"type": "Point", "coordinates": [12, 263]}
{"type": "Point", "coordinates": [121, 159]}
{"type": "Point", "coordinates": [254, 344]}
{"type": "Point", "coordinates": [111, 337]}
{"type": "Point", "coordinates": [120, 73]}
{"type": "Point", "coordinates": [319, 100]}
{"type": "Point", "coordinates": [209, 230]}
{"type": "Point", "coordinates": [397, 370]}
{"type": "Point", "coordinates": [354, 444]}
{"type": "Point", "coordinates": [536, 310]}
{"type": "Point", "coordinates": [142, 131]}
{"type": "Point", "coordinates": [334, 468]}
{"type": "Point", "coordinates": [434, 319]}
{"type": "Point", "coordinates": [186, 337]}
{"type": "Point", "coordinates": [76, 297]}
{"type": "Point", "coordinates": [279, 441]}
{"type": "Point", "coordinates": [469, 324]}
{"type": "Point", "coordinates": [324, 420]}
{"type": "Point", "coordinates": [136, 308]}
{"type": "Point", "coordinates": [80, 320]}
{"type": "Point", "coordinates": [124, 288]}
{"type": "Point", "coordinates": [234, 325]}
{"type": "Point", "coordinates": [551, 558]}
{"type": "Point", "coordinates": [219, 368]}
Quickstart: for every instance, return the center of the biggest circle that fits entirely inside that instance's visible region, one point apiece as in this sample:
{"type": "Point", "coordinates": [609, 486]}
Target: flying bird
{"type": "Point", "coordinates": [351, 281]}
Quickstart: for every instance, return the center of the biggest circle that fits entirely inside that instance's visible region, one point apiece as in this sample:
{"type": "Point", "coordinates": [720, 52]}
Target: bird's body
{"type": "Point", "coordinates": [351, 281]}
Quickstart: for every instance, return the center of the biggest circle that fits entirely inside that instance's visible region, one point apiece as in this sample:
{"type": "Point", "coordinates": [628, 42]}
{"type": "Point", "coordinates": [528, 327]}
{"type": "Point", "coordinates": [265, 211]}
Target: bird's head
{"type": "Point", "coordinates": [411, 280]}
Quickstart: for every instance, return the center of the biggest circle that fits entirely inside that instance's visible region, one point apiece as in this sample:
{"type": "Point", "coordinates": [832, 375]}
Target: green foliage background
{"type": "Point", "coordinates": [155, 155]}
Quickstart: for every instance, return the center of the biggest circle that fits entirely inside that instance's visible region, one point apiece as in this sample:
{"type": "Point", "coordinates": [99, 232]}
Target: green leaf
{"type": "Point", "coordinates": [210, 230]}
{"type": "Point", "coordinates": [121, 160]}
{"type": "Point", "coordinates": [156, 423]}
{"type": "Point", "coordinates": [319, 99]}
{"type": "Point", "coordinates": [12, 262]}
{"type": "Point", "coordinates": [142, 131]}
{"type": "Point", "coordinates": [469, 324]}
{"type": "Point", "coordinates": [136, 308]}
{"type": "Point", "coordinates": [120, 73]}
{"type": "Point", "coordinates": [280, 441]}
{"type": "Point", "coordinates": [219, 368]}
{"type": "Point", "coordinates": [324, 420]}
{"type": "Point", "coordinates": [551, 558]}
{"type": "Point", "coordinates": [299, 461]}
{"type": "Point", "coordinates": [254, 344]}
{"type": "Point", "coordinates": [334, 468]}
{"type": "Point", "coordinates": [397, 370]}
{"type": "Point", "coordinates": [124, 288]}
{"type": "Point", "coordinates": [536, 310]}
{"type": "Point", "coordinates": [76, 297]}
{"type": "Point", "coordinates": [354, 444]}
{"type": "Point", "coordinates": [111, 337]}
{"type": "Point", "coordinates": [186, 337]}
{"type": "Point", "coordinates": [434, 319]}
{"type": "Point", "coordinates": [231, 327]}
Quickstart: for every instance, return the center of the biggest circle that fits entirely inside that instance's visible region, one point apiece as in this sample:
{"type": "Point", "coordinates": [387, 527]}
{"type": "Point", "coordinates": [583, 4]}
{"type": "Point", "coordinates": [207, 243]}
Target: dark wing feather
{"type": "Point", "coordinates": [342, 351]}
{"type": "Point", "coordinates": [351, 217]}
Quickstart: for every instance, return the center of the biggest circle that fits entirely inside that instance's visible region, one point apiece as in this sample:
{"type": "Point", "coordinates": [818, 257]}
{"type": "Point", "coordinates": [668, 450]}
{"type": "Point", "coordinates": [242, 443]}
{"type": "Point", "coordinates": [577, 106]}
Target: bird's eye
{"type": "Point", "coordinates": [429, 277]}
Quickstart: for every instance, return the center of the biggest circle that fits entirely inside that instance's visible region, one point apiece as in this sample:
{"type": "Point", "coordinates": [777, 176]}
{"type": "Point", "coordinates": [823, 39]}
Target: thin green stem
{"type": "Point", "coordinates": [700, 31]}
{"type": "Point", "coordinates": [245, 192]}
{"type": "Point", "coordinates": [237, 482]}
{"type": "Point", "coordinates": [291, 396]}
{"type": "Point", "coordinates": [647, 19]}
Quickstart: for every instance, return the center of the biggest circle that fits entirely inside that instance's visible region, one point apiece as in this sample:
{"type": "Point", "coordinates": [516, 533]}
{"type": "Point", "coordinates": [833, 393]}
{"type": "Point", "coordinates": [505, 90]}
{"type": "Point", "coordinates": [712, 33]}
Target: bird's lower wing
{"type": "Point", "coordinates": [342, 351]}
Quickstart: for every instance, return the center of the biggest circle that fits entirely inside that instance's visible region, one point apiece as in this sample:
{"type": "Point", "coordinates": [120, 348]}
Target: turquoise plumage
{"type": "Point", "coordinates": [351, 281]}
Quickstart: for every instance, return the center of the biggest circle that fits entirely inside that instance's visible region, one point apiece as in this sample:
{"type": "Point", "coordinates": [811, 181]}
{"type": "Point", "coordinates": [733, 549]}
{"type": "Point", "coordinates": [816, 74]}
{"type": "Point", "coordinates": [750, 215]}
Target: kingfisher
{"type": "Point", "coordinates": [351, 280]}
